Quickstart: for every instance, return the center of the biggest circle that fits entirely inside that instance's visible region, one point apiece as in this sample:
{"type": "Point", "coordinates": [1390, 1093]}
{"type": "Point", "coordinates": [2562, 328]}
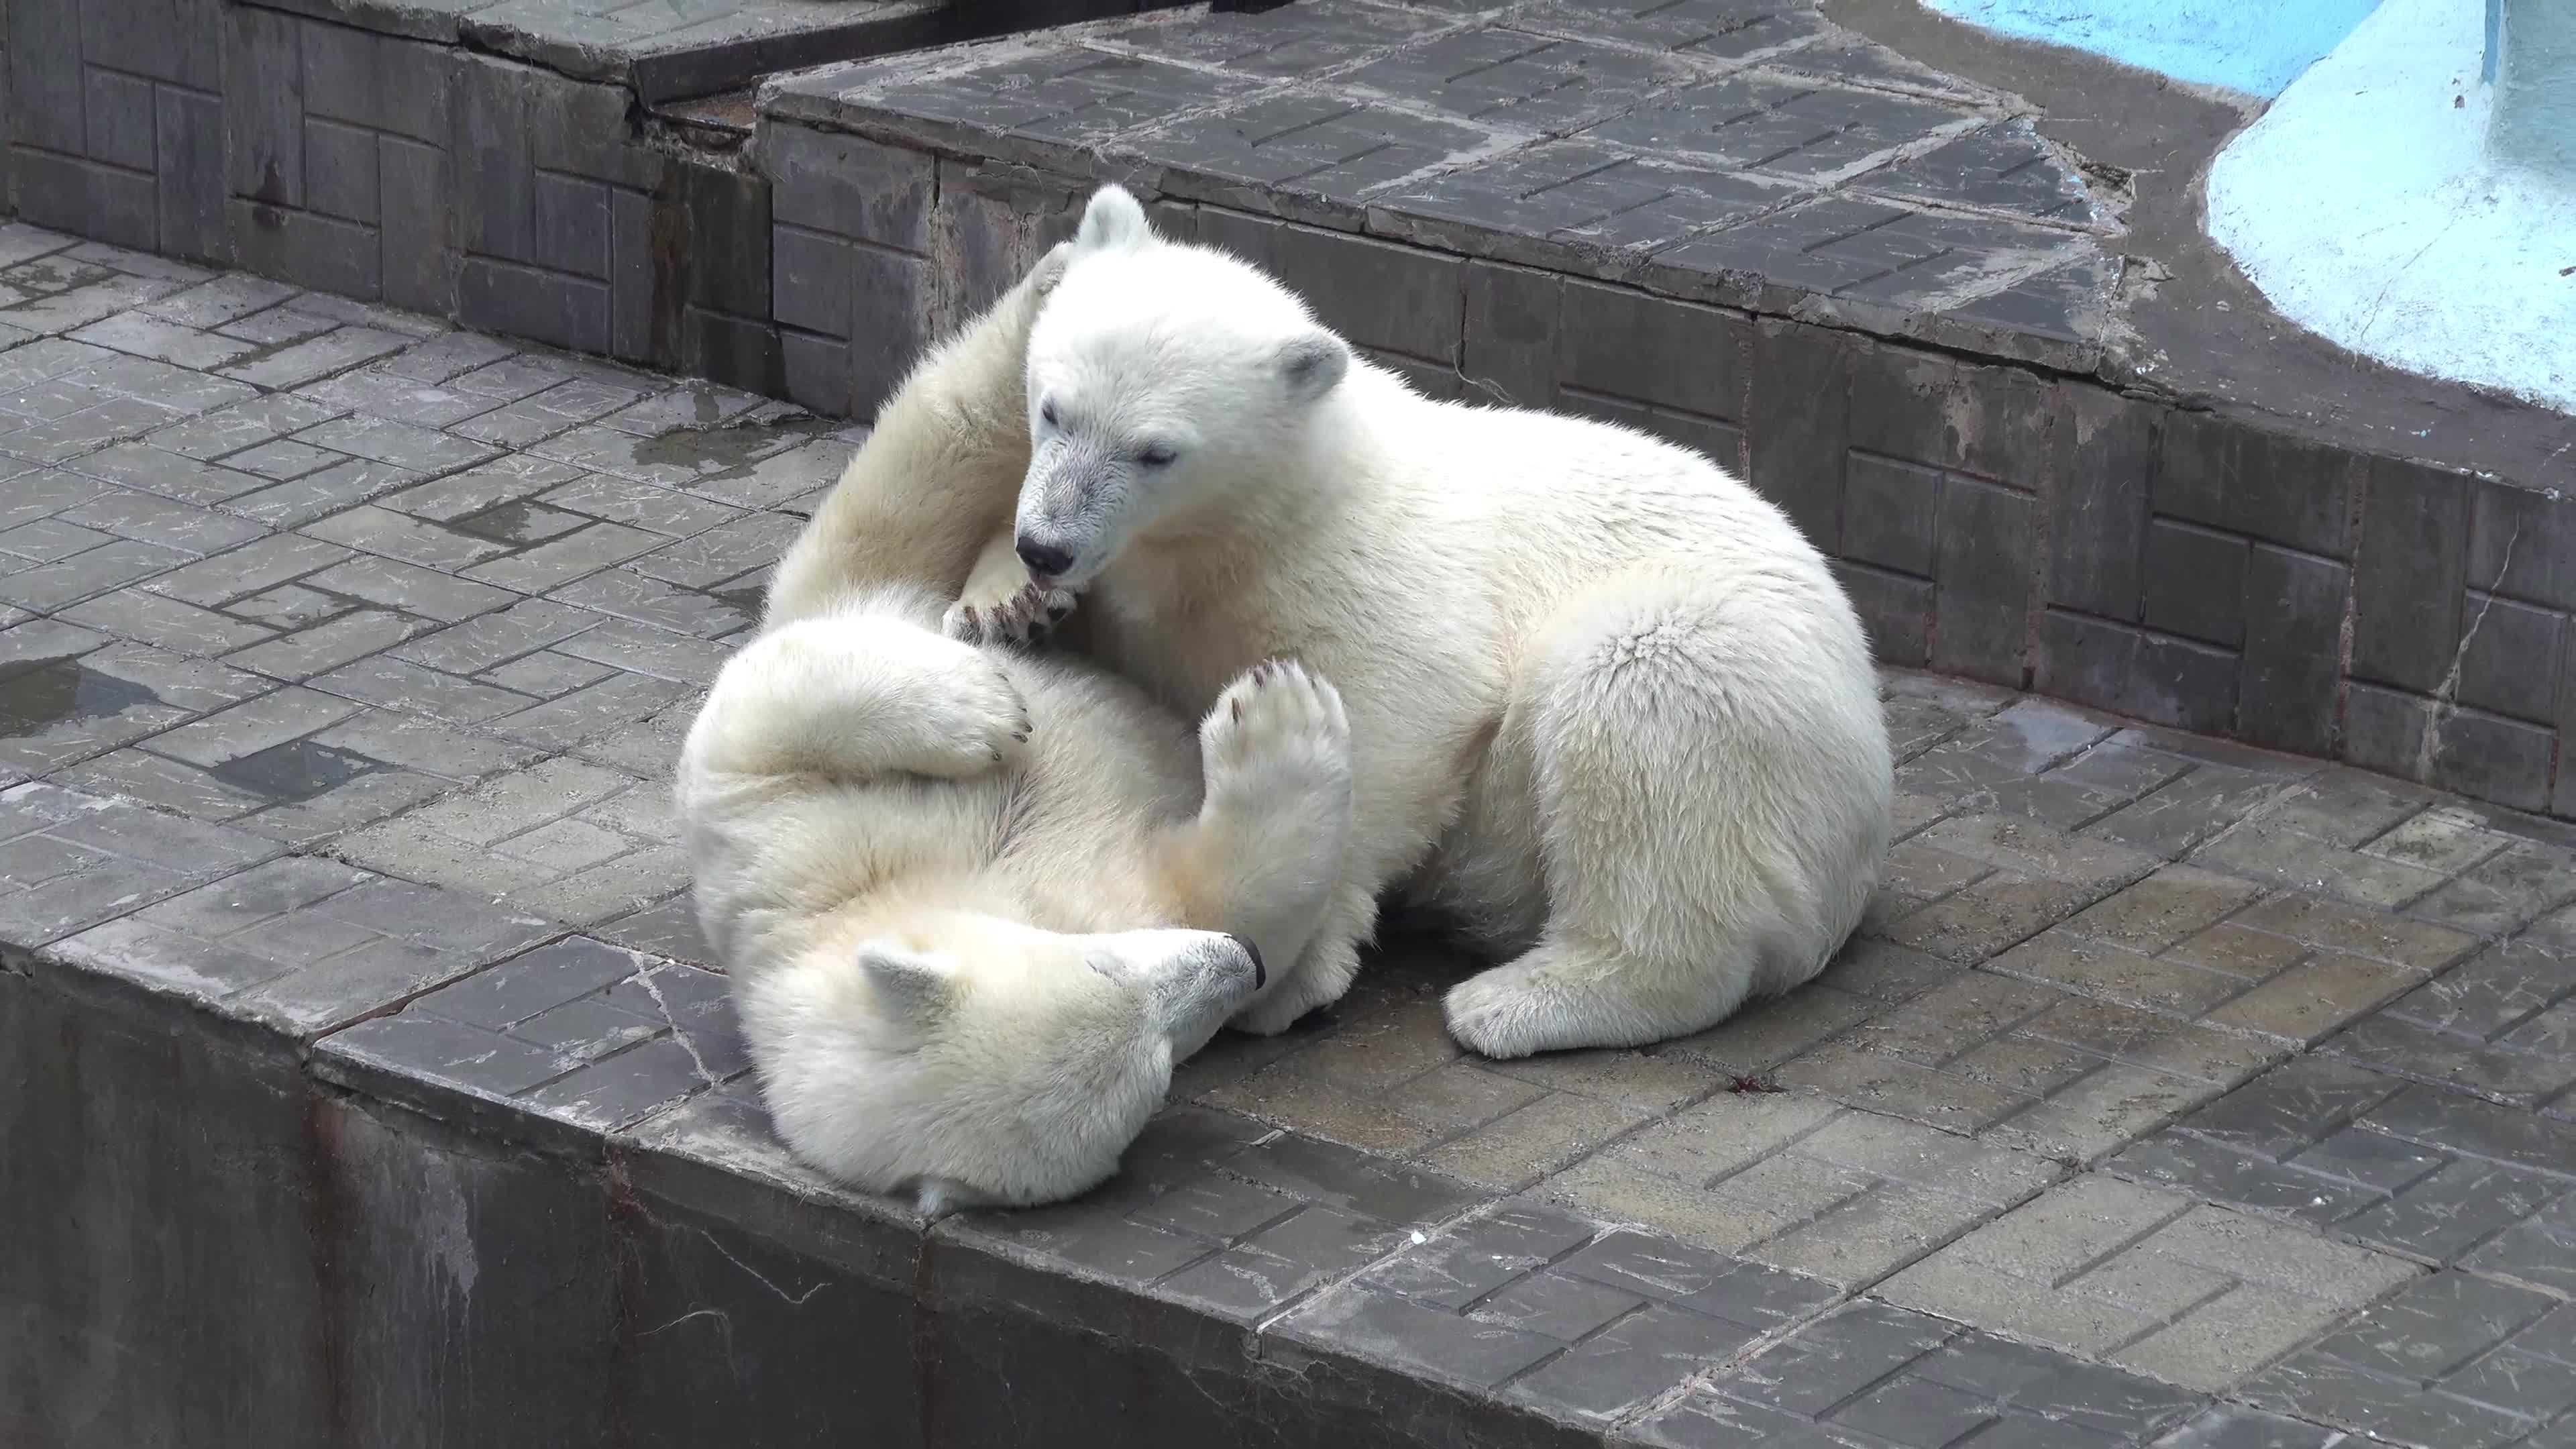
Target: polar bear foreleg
{"type": "Point", "coordinates": [855, 696]}
{"type": "Point", "coordinates": [1264, 857]}
{"type": "Point", "coordinates": [1648, 802]}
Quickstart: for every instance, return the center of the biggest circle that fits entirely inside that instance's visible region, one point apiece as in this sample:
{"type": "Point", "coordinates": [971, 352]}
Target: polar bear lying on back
{"type": "Point", "coordinates": [1608, 707]}
{"type": "Point", "coordinates": [977, 905]}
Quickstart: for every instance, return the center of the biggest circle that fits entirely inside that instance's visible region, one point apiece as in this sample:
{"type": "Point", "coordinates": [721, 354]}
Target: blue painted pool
{"type": "Point", "coordinates": [2253, 46]}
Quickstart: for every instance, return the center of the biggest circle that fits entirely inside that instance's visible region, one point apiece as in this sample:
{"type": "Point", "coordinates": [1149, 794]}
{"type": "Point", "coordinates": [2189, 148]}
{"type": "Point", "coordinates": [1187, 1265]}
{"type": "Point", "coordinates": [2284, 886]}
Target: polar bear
{"type": "Point", "coordinates": [977, 904]}
{"type": "Point", "coordinates": [1609, 709]}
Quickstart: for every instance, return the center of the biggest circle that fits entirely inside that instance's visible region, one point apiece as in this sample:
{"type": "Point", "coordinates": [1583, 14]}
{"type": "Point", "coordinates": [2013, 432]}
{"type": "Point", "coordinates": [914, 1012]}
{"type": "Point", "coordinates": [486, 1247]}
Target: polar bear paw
{"type": "Point", "coordinates": [975, 721]}
{"type": "Point", "coordinates": [1277, 734]}
{"type": "Point", "coordinates": [1022, 617]}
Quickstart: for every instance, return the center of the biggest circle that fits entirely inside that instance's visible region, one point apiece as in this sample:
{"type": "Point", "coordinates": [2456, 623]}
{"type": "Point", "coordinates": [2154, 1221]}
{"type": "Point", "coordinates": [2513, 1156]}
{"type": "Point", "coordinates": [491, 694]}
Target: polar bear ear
{"type": "Point", "coordinates": [1112, 222]}
{"type": "Point", "coordinates": [1312, 365]}
{"type": "Point", "coordinates": [909, 988]}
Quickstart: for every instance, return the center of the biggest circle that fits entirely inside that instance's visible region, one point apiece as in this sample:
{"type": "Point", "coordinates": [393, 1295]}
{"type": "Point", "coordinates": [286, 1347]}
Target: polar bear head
{"type": "Point", "coordinates": [1159, 377]}
{"type": "Point", "coordinates": [979, 1061]}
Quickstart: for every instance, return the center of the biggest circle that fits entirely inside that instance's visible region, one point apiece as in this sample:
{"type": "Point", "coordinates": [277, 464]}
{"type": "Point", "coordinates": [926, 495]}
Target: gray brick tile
{"type": "Point", "coordinates": [648, 651]}
{"type": "Point", "coordinates": [316, 356]}
{"type": "Point", "coordinates": [625, 1087]}
{"type": "Point", "coordinates": [378, 530]}
{"type": "Point", "coordinates": [724, 552]}
{"type": "Point", "coordinates": [281, 460]}
{"type": "Point", "coordinates": [168, 623]}
{"type": "Point", "coordinates": [445, 1051]}
{"type": "Point", "coordinates": [97, 887]}
{"type": "Point", "coordinates": [251, 569]}
{"type": "Point", "coordinates": [403, 738]}
{"type": "Point", "coordinates": [2417, 1369]}
{"type": "Point", "coordinates": [179, 526]}
{"type": "Point", "coordinates": [1746, 1294]}
{"type": "Point", "coordinates": [302, 500]}
{"type": "Point", "coordinates": [580, 551]}
{"type": "Point", "coordinates": [641, 505]}
{"type": "Point", "coordinates": [248, 728]}
{"type": "Point", "coordinates": [351, 795]}
{"type": "Point", "coordinates": [2229, 1427]}
{"type": "Point", "coordinates": [35, 493]}
{"type": "Point", "coordinates": [218, 300]}
{"type": "Point", "coordinates": [307, 652]}
{"type": "Point", "coordinates": [86, 575]}
{"type": "Point", "coordinates": [398, 444]}
{"type": "Point", "coordinates": [87, 430]}
{"type": "Point", "coordinates": [647, 601]}
{"type": "Point", "coordinates": [48, 539]}
{"type": "Point", "coordinates": [145, 335]}
{"type": "Point", "coordinates": [396, 684]}
{"type": "Point", "coordinates": [480, 643]}
{"type": "Point", "coordinates": [546, 674]}
{"type": "Point", "coordinates": [531, 984]}
{"type": "Point", "coordinates": [668, 929]}
{"type": "Point", "coordinates": [509, 478]}
{"type": "Point", "coordinates": [1395, 1330]}
{"type": "Point", "coordinates": [229, 430]}
{"type": "Point", "coordinates": [424, 592]}
{"type": "Point", "coordinates": [161, 783]}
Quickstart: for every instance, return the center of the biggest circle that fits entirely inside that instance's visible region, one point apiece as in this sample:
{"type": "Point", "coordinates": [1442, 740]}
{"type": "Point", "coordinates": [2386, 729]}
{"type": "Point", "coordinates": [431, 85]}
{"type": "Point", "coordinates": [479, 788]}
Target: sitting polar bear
{"type": "Point", "coordinates": [1608, 708]}
{"type": "Point", "coordinates": [976, 905]}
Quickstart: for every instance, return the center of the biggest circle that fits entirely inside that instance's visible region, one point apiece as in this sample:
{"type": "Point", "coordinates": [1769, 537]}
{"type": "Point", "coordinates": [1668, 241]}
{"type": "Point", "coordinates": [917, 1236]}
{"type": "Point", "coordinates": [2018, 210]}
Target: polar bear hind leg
{"type": "Point", "coordinates": [1673, 772]}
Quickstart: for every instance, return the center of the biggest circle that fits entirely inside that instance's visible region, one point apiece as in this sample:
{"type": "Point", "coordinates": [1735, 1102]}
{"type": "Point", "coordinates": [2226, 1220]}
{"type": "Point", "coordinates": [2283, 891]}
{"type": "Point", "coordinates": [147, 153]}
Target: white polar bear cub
{"type": "Point", "coordinates": [977, 904]}
{"type": "Point", "coordinates": [1608, 708]}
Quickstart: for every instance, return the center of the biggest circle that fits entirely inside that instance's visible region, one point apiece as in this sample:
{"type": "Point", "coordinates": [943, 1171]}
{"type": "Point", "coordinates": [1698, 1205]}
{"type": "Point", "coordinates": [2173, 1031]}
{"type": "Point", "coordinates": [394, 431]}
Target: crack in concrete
{"type": "Point", "coordinates": [2444, 702]}
{"type": "Point", "coordinates": [644, 977]}
{"type": "Point", "coordinates": [792, 1300]}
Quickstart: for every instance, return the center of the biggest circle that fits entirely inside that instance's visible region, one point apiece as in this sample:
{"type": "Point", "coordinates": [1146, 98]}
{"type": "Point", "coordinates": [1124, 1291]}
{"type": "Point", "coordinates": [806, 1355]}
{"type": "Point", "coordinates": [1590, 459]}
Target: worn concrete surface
{"type": "Point", "coordinates": [2200, 329]}
{"type": "Point", "coordinates": [2174, 1094]}
{"type": "Point", "coordinates": [2371, 207]}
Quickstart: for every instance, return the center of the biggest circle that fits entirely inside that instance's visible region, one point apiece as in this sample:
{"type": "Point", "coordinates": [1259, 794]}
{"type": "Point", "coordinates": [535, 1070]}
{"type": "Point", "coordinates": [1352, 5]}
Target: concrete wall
{"type": "Point", "coordinates": [2535, 107]}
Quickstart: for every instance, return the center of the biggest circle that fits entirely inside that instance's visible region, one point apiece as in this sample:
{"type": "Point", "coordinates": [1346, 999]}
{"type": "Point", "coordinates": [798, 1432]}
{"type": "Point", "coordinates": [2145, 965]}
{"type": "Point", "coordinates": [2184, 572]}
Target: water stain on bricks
{"type": "Point", "coordinates": [721, 454]}
{"type": "Point", "coordinates": [516, 522]}
{"type": "Point", "coordinates": [296, 770]}
{"type": "Point", "coordinates": [47, 692]}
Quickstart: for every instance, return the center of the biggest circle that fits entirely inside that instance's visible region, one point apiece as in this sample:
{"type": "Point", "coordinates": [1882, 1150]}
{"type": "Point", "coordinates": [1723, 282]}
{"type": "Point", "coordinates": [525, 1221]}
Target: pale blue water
{"type": "Point", "coordinates": [2254, 46]}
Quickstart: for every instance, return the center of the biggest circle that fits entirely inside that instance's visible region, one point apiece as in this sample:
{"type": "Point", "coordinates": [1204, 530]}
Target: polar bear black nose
{"type": "Point", "coordinates": [1260, 975]}
{"type": "Point", "coordinates": [1045, 560]}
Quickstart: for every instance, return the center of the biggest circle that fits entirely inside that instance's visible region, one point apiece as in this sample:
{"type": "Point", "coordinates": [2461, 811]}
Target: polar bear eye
{"type": "Point", "coordinates": [1157, 456]}
{"type": "Point", "coordinates": [1046, 412]}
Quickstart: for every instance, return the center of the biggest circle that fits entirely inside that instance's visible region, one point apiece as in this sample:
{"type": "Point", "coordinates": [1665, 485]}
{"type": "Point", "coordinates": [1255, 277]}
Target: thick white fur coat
{"type": "Point", "coordinates": [1608, 708]}
{"type": "Point", "coordinates": [976, 903]}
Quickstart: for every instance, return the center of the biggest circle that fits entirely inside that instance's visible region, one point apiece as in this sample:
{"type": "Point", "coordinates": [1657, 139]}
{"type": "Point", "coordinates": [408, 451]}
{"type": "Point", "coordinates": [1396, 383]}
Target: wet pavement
{"type": "Point", "coordinates": [343, 657]}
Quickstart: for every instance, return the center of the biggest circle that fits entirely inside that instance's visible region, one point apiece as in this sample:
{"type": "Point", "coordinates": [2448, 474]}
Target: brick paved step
{"type": "Point", "coordinates": [364, 1080]}
{"type": "Point", "coordinates": [1879, 291]}
{"type": "Point", "coordinates": [1889, 294]}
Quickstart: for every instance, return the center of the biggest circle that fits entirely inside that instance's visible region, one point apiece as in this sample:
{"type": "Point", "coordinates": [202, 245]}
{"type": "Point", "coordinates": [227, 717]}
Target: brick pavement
{"type": "Point", "coordinates": [2174, 1094]}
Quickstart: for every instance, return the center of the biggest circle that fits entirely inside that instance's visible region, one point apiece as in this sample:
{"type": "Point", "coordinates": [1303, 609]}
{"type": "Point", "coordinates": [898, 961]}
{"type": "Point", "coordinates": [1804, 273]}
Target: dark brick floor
{"type": "Point", "coordinates": [2174, 1094]}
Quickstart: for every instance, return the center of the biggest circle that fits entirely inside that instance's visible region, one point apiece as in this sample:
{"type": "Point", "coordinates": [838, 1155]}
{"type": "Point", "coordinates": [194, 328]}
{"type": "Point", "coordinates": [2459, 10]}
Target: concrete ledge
{"type": "Point", "coordinates": [1876, 288]}
{"type": "Point", "coordinates": [229, 1243]}
{"type": "Point", "coordinates": [363, 1079]}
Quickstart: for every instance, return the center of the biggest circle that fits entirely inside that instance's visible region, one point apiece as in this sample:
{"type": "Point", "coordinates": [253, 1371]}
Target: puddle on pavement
{"type": "Point", "coordinates": [45, 692]}
{"type": "Point", "coordinates": [517, 522]}
{"type": "Point", "coordinates": [723, 453]}
{"type": "Point", "coordinates": [296, 770]}
{"type": "Point", "coordinates": [747, 601]}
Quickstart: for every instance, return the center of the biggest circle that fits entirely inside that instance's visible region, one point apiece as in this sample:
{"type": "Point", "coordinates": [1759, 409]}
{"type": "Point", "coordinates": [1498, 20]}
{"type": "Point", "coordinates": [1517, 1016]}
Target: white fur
{"type": "Point", "coordinates": [976, 904]}
{"type": "Point", "coordinates": [1608, 707]}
